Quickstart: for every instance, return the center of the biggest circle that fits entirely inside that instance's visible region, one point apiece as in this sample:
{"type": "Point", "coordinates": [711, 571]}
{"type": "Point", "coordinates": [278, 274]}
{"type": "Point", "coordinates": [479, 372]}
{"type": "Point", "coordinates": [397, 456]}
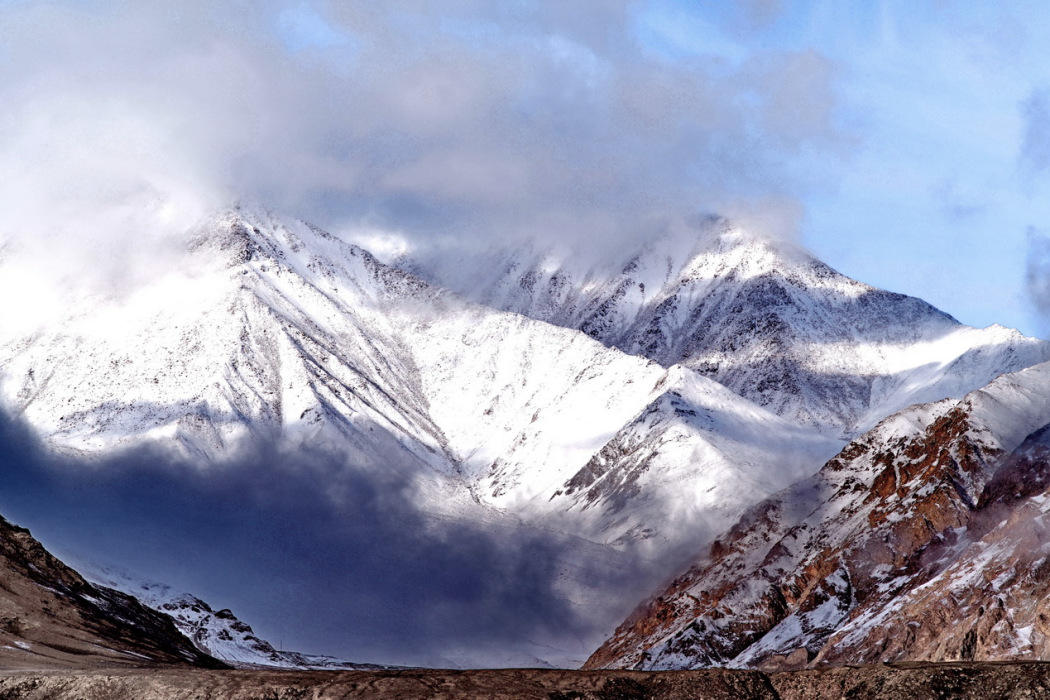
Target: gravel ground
{"type": "Point", "coordinates": [986, 681]}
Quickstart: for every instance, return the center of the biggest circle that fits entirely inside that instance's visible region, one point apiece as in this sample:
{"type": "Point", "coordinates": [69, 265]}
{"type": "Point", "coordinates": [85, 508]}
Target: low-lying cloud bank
{"type": "Point", "coordinates": [318, 554]}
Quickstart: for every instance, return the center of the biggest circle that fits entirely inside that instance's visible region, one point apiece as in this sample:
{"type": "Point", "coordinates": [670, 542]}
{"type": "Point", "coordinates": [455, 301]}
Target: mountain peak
{"type": "Point", "coordinates": [240, 234]}
{"type": "Point", "coordinates": [246, 340]}
{"type": "Point", "coordinates": [761, 316]}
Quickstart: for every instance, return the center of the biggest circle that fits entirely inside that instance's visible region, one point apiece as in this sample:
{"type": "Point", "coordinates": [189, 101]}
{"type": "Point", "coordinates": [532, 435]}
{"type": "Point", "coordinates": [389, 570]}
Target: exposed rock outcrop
{"type": "Point", "coordinates": [912, 543]}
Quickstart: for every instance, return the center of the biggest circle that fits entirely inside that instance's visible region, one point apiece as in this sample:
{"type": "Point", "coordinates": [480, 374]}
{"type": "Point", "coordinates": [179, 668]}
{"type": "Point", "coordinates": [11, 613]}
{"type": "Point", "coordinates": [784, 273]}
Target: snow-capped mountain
{"type": "Point", "coordinates": [238, 345]}
{"type": "Point", "coordinates": [728, 368]}
{"type": "Point", "coordinates": [764, 318]}
{"type": "Point", "coordinates": [277, 332]}
{"type": "Point", "coordinates": [280, 331]}
{"type": "Point", "coordinates": [912, 543]}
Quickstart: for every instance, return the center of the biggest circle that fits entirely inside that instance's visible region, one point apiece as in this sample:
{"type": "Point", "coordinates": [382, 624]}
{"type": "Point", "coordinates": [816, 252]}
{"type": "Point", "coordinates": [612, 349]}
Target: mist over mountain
{"type": "Point", "coordinates": [319, 556]}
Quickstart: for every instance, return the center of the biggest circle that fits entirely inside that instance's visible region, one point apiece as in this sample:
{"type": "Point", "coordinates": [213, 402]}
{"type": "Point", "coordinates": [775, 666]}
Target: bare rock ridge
{"type": "Point", "coordinates": [987, 597]}
{"type": "Point", "coordinates": [919, 541]}
{"type": "Point", "coordinates": [50, 617]}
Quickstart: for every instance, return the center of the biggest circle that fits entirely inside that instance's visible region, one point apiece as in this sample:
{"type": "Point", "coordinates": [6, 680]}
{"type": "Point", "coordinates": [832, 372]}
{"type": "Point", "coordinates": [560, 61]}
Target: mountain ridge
{"type": "Point", "coordinates": [51, 617]}
{"type": "Point", "coordinates": [762, 317]}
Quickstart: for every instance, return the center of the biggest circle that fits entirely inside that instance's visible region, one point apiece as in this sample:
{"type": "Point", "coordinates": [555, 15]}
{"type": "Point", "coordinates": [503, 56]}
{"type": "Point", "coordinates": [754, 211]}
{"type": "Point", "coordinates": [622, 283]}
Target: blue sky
{"type": "Point", "coordinates": [905, 143]}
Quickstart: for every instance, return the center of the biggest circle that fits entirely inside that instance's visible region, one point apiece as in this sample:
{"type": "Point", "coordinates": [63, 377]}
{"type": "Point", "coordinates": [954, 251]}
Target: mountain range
{"type": "Point", "coordinates": [845, 460]}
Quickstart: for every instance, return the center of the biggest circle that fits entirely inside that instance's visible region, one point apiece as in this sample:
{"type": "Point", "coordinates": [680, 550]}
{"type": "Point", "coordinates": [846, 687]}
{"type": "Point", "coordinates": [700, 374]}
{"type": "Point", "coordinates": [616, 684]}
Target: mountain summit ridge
{"type": "Point", "coordinates": [764, 318]}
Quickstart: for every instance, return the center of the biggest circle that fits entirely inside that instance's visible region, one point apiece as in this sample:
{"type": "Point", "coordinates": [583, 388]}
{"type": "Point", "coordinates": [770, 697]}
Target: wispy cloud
{"type": "Point", "coordinates": [1035, 145]}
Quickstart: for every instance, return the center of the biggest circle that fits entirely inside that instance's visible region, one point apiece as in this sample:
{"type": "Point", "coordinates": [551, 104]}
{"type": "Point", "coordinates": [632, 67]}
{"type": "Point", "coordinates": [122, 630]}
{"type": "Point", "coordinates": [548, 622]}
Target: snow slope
{"type": "Point", "coordinates": [683, 469]}
{"type": "Point", "coordinates": [256, 338]}
{"type": "Point", "coordinates": [761, 317]}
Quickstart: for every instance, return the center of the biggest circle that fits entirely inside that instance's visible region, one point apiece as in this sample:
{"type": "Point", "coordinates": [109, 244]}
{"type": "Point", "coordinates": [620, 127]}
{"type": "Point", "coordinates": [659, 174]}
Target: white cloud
{"type": "Point", "coordinates": [126, 120]}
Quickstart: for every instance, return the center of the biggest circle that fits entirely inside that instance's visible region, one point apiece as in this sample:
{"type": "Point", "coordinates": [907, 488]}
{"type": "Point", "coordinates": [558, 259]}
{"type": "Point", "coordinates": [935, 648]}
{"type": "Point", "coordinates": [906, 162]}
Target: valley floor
{"type": "Point", "coordinates": [911, 681]}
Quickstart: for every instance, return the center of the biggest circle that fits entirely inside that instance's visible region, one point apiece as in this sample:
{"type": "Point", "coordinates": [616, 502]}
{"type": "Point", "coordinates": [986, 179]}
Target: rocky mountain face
{"type": "Point", "coordinates": [50, 617]}
{"type": "Point", "coordinates": [763, 318]}
{"type": "Point", "coordinates": [987, 597]}
{"type": "Point", "coordinates": [920, 540]}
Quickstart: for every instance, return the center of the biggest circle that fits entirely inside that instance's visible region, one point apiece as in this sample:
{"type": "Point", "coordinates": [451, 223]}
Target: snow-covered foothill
{"type": "Point", "coordinates": [218, 633]}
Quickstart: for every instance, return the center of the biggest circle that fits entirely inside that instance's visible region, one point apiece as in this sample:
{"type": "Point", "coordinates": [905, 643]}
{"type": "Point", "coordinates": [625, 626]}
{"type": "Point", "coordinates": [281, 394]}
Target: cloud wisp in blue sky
{"type": "Point", "coordinates": [903, 142]}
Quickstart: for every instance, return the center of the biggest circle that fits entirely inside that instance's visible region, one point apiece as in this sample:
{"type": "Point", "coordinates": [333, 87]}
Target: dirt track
{"type": "Point", "coordinates": [984, 681]}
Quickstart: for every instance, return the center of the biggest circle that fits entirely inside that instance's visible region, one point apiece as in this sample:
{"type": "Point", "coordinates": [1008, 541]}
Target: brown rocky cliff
{"type": "Point", "coordinates": [987, 596]}
{"type": "Point", "coordinates": [50, 617]}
